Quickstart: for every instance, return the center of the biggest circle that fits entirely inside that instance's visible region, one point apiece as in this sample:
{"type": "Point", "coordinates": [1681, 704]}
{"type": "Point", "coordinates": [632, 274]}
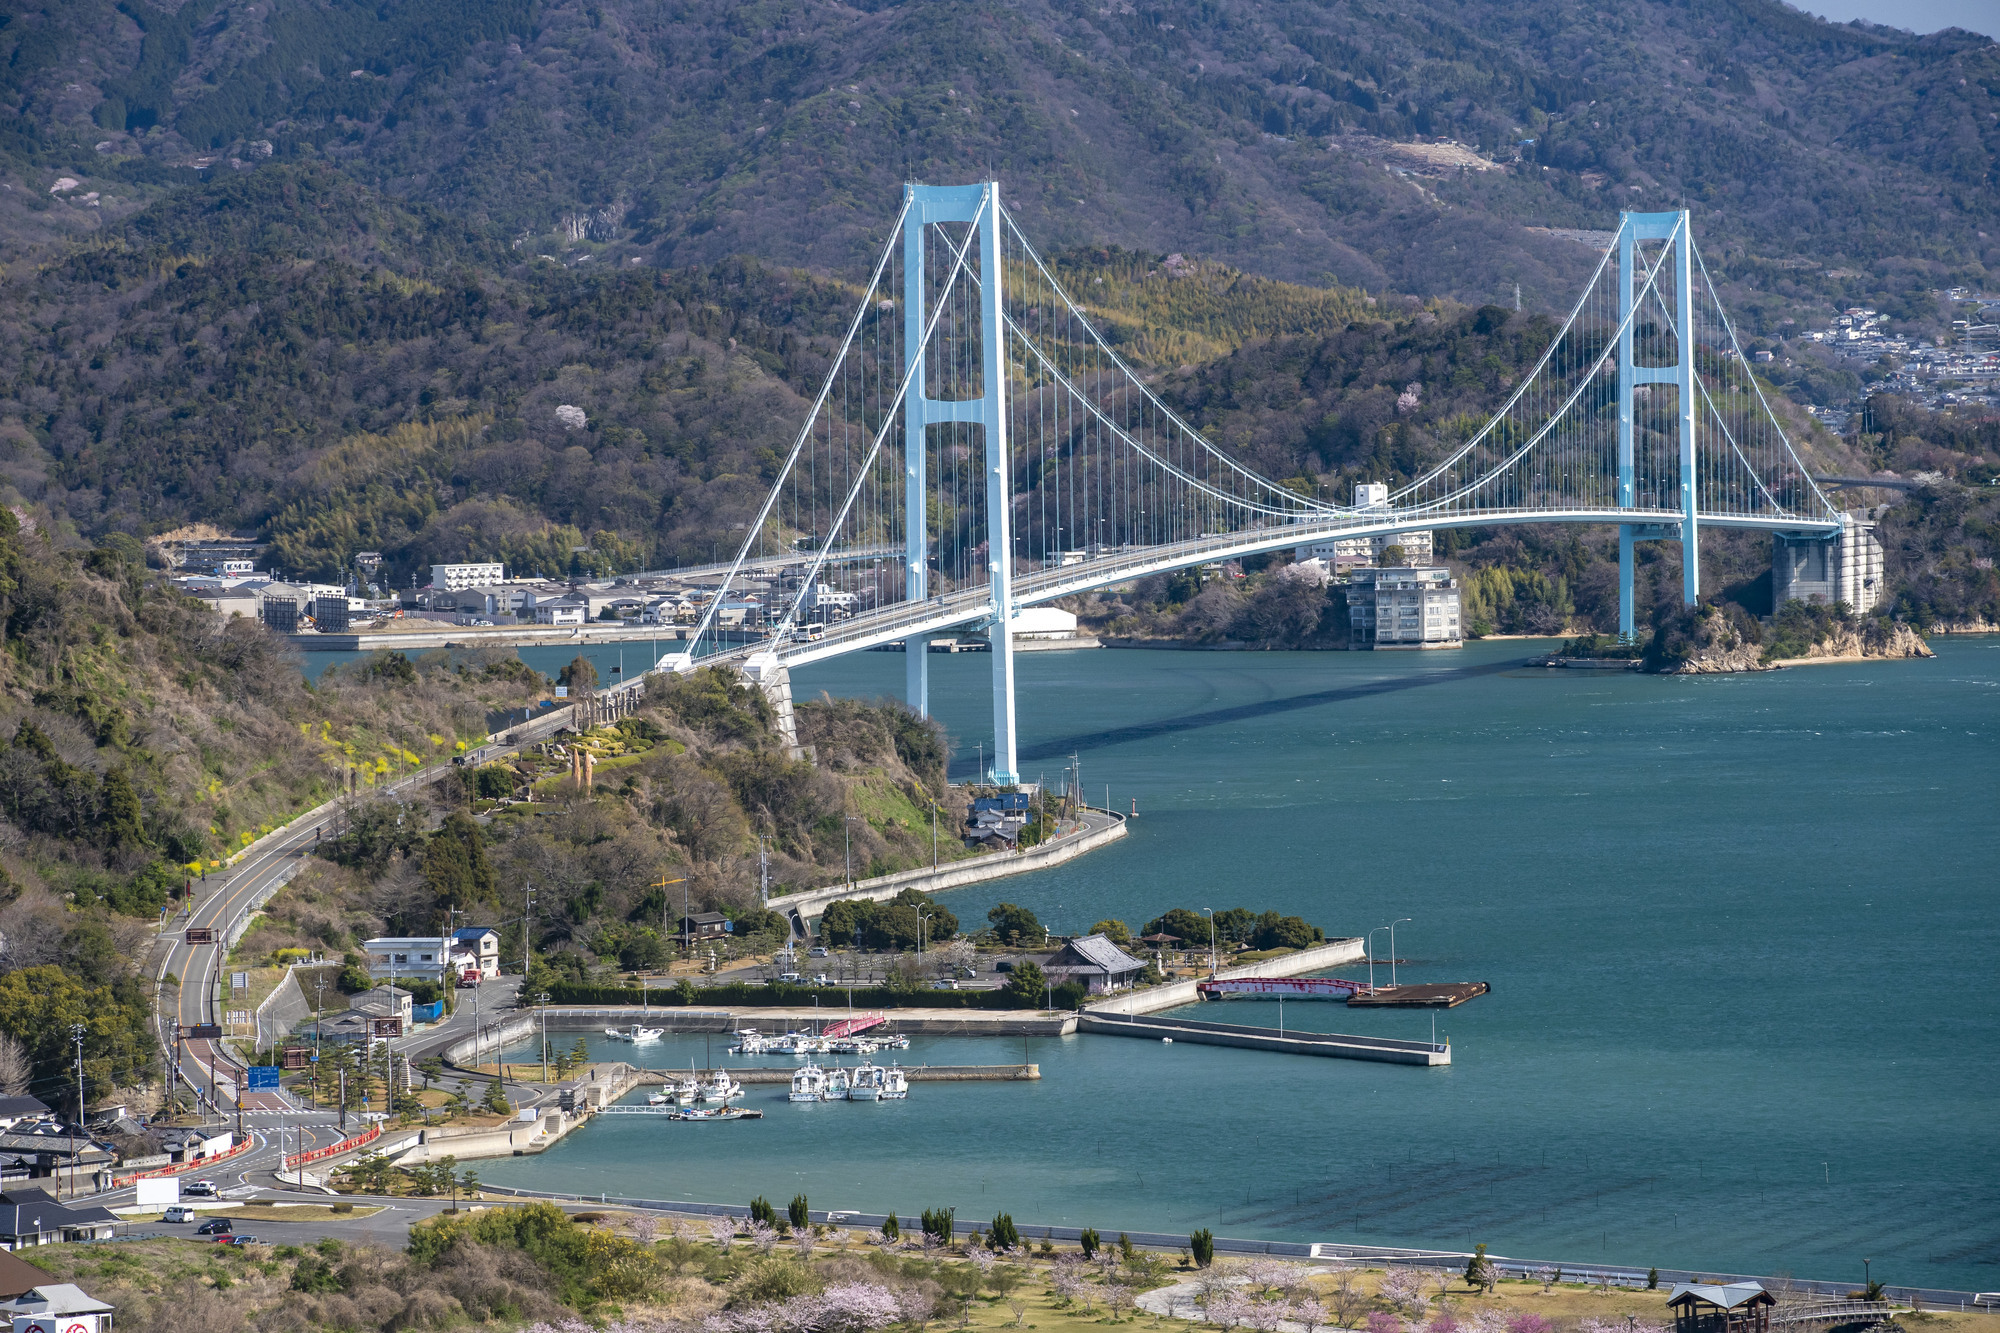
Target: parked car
{"type": "Point", "coordinates": [945, 983]}
{"type": "Point", "coordinates": [1003, 966]}
{"type": "Point", "coordinates": [199, 1188]}
{"type": "Point", "coordinates": [792, 977]}
{"type": "Point", "coordinates": [817, 951]}
{"type": "Point", "coordinates": [179, 1213]}
{"type": "Point", "coordinates": [215, 1226]}
{"type": "Point", "coordinates": [819, 979]}
{"type": "Point", "coordinates": [235, 1240]}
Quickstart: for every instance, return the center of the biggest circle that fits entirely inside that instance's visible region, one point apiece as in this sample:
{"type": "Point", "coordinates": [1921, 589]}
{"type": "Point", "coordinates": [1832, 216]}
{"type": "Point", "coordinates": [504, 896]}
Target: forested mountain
{"type": "Point", "coordinates": [325, 270]}
{"type": "Point", "coordinates": [1281, 136]}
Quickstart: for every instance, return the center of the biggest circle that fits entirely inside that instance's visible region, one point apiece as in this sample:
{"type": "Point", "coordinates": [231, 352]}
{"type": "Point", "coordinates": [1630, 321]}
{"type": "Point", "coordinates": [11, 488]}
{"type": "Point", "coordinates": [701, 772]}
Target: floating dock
{"type": "Point", "coordinates": [1337, 1045]}
{"type": "Point", "coordinates": [1442, 995]}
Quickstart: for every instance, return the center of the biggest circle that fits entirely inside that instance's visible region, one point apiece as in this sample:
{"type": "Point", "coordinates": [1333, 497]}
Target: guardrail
{"type": "Point", "coordinates": [294, 1161]}
{"type": "Point", "coordinates": [120, 1182]}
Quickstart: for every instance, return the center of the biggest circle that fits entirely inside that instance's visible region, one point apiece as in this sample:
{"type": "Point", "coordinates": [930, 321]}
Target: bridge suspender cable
{"type": "Point", "coordinates": [778, 486]}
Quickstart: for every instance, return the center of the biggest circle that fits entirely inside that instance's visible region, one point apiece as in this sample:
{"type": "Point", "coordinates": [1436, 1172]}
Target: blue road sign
{"type": "Point", "coordinates": [264, 1078]}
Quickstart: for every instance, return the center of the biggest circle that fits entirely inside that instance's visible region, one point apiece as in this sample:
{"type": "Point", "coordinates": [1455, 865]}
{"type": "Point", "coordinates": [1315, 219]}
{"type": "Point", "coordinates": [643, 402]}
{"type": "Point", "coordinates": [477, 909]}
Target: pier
{"type": "Point", "coordinates": [1380, 1049]}
{"type": "Point", "coordinates": [1444, 995]}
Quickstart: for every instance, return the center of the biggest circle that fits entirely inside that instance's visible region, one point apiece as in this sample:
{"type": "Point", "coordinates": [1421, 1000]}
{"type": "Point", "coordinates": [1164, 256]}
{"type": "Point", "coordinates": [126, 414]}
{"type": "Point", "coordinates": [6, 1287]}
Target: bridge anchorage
{"type": "Point", "coordinates": [978, 446]}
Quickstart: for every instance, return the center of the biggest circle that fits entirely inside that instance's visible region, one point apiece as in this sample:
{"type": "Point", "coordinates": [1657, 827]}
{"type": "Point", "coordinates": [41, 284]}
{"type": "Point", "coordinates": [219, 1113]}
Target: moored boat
{"type": "Point", "coordinates": [895, 1086]}
{"type": "Point", "coordinates": [865, 1083]}
{"type": "Point", "coordinates": [808, 1084]}
{"type": "Point", "coordinates": [719, 1087]}
{"type": "Point", "coordinates": [635, 1033]}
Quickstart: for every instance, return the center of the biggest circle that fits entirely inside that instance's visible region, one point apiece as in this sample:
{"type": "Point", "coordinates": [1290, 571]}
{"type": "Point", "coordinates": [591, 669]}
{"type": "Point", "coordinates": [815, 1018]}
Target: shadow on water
{"type": "Point", "coordinates": [1064, 746]}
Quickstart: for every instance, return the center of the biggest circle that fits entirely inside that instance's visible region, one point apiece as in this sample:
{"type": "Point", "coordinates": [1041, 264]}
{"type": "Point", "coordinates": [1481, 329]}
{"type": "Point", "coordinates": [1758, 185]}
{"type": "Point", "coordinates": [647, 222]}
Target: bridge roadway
{"type": "Point", "coordinates": [902, 620]}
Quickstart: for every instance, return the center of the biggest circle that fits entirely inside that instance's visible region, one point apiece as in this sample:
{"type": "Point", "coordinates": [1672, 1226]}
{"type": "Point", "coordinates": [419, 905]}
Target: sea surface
{"type": "Point", "coordinates": [1742, 934]}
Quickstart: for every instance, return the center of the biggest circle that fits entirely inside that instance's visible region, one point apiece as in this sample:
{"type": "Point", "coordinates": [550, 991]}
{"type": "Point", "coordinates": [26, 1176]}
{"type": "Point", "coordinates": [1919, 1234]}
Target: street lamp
{"type": "Point", "coordinates": [1370, 946]}
{"type": "Point", "coordinates": [1392, 949]}
{"type": "Point", "coordinates": [923, 934]}
{"type": "Point", "coordinates": [1210, 913]}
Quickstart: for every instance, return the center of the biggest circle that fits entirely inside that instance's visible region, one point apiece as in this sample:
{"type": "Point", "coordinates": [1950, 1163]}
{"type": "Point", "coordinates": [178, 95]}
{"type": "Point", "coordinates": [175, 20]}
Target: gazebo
{"type": "Point", "coordinates": [1739, 1307]}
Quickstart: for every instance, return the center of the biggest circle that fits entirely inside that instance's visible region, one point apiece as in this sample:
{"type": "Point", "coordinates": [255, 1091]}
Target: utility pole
{"type": "Point", "coordinates": [343, 1103]}
{"type": "Point", "coordinates": [76, 1031]}
{"type": "Point", "coordinates": [527, 926]}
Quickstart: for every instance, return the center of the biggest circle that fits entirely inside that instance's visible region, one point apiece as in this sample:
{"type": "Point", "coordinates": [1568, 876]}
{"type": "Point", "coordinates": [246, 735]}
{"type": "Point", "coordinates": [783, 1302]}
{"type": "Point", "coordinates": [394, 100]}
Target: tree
{"type": "Point", "coordinates": [1014, 925]}
{"type": "Point", "coordinates": [1117, 932]}
{"type": "Point", "coordinates": [1005, 1235]}
{"type": "Point", "coordinates": [496, 1099]}
{"type": "Point", "coordinates": [762, 1211]}
{"type": "Point", "coordinates": [1028, 983]}
{"type": "Point", "coordinates": [124, 816]}
{"type": "Point", "coordinates": [15, 1069]}
{"type": "Point", "coordinates": [892, 1229]}
{"type": "Point", "coordinates": [1201, 1245]}
{"type": "Point", "coordinates": [1191, 928]}
{"type": "Point", "coordinates": [941, 1223]}
{"type": "Point", "coordinates": [456, 870]}
{"type": "Point", "coordinates": [1479, 1271]}
{"type": "Point", "coordinates": [1088, 1241]}
{"type": "Point", "coordinates": [684, 991]}
{"type": "Point", "coordinates": [580, 676]}
{"type": "Point", "coordinates": [799, 1213]}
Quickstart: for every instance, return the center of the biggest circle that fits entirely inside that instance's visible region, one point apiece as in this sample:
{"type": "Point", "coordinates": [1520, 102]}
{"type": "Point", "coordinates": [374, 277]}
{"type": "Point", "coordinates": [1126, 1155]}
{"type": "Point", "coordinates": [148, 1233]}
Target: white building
{"type": "Point", "coordinates": [1044, 622]}
{"type": "Point", "coordinates": [1403, 608]}
{"type": "Point", "coordinates": [1347, 553]}
{"type": "Point", "coordinates": [561, 611]}
{"type": "Point", "coordinates": [1845, 568]}
{"type": "Point", "coordinates": [407, 957]}
{"type": "Point", "coordinates": [451, 578]}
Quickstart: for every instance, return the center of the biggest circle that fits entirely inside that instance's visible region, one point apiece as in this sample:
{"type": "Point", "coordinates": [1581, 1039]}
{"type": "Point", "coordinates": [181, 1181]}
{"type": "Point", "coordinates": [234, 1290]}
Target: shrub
{"type": "Point", "coordinates": [1088, 1242]}
{"type": "Point", "coordinates": [797, 1211]}
{"type": "Point", "coordinates": [1005, 1235]}
{"type": "Point", "coordinates": [762, 1211]}
{"type": "Point", "coordinates": [1202, 1246]}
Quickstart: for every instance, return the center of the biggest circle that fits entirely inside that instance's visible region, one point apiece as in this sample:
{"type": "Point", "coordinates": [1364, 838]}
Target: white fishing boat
{"type": "Point", "coordinates": [750, 1041]}
{"type": "Point", "coordinates": [837, 1084]}
{"type": "Point", "coordinates": [658, 1098]}
{"type": "Point", "coordinates": [635, 1033]}
{"type": "Point", "coordinates": [808, 1084]}
{"type": "Point", "coordinates": [895, 1086]}
{"type": "Point", "coordinates": [865, 1083]}
{"type": "Point", "coordinates": [801, 1044]}
{"type": "Point", "coordinates": [719, 1087]}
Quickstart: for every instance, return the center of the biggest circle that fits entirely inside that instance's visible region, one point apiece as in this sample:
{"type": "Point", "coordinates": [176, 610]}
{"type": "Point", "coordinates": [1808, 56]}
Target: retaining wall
{"type": "Point", "coordinates": [993, 865]}
{"type": "Point", "coordinates": [1337, 1045]}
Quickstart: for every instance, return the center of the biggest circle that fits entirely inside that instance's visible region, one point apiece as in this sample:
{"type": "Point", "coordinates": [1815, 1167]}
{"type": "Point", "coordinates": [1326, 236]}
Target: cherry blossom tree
{"type": "Point", "coordinates": [1310, 1314]}
{"type": "Point", "coordinates": [723, 1231]}
{"type": "Point", "coordinates": [763, 1236]}
{"type": "Point", "coordinates": [1404, 1288]}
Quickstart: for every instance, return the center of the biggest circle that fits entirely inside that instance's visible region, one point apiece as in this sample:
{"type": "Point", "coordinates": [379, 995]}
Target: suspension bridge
{"type": "Point", "coordinates": [977, 424]}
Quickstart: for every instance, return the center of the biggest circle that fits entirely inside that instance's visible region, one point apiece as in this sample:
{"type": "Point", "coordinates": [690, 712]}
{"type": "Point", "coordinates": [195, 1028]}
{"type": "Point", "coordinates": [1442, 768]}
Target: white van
{"type": "Point", "coordinates": [178, 1213]}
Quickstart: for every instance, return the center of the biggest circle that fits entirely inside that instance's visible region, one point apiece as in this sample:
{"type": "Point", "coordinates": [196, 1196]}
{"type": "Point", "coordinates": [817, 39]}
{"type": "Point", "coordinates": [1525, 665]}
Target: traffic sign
{"type": "Point", "coordinates": [264, 1078]}
{"type": "Point", "coordinates": [197, 1031]}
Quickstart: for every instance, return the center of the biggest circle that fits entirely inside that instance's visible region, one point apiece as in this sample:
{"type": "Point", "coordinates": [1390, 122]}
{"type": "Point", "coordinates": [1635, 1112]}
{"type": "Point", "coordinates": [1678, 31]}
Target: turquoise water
{"type": "Point", "coordinates": [632, 656]}
{"type": "Point", "coordinates": [1741, 934]}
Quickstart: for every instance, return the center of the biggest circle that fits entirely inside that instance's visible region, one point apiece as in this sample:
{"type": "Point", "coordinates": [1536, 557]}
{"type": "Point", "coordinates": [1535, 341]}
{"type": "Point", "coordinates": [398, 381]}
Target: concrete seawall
{"type": "Point", "coordinates": [994, 865]}
{"type": "Point", "coordinates": [915, 1073]}
{"type": "Point", "coordinates": [914, 1021]}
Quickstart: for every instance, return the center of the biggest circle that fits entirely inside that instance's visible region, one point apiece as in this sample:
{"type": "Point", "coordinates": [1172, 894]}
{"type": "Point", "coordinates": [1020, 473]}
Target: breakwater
{"type": "Point", "coordinates": [1382, 1050]}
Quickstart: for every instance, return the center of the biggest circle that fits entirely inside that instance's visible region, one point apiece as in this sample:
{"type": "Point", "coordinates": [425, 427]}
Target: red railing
{"type": "Point", "coordinates": [179, 1168]}
{"type": "Point", "coordinates": [297, 1160]}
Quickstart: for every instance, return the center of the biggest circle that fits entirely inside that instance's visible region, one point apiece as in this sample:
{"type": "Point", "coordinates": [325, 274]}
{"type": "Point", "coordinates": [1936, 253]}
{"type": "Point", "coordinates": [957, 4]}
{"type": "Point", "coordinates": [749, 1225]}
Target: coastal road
{"type": "Point", "coordinates": [219, 904]}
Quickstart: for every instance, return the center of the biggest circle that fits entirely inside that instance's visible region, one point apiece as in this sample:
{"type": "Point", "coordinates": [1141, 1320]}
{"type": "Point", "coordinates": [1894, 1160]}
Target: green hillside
{"type": "Point", "coordinates": [1270, 134]}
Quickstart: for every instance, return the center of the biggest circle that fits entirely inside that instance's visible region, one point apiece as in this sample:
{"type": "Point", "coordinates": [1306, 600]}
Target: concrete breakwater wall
{"type": "Point", "coordinates": [1379, 1049]}
{"type": "Point", "coordinates": [994, 865]}
{"type": "Point", "coordinates": [915, 1073]}
{"type": "Point", "coordinates": [1175, 994]}
{"type": "Point", "coordinates": [913, 1022]}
